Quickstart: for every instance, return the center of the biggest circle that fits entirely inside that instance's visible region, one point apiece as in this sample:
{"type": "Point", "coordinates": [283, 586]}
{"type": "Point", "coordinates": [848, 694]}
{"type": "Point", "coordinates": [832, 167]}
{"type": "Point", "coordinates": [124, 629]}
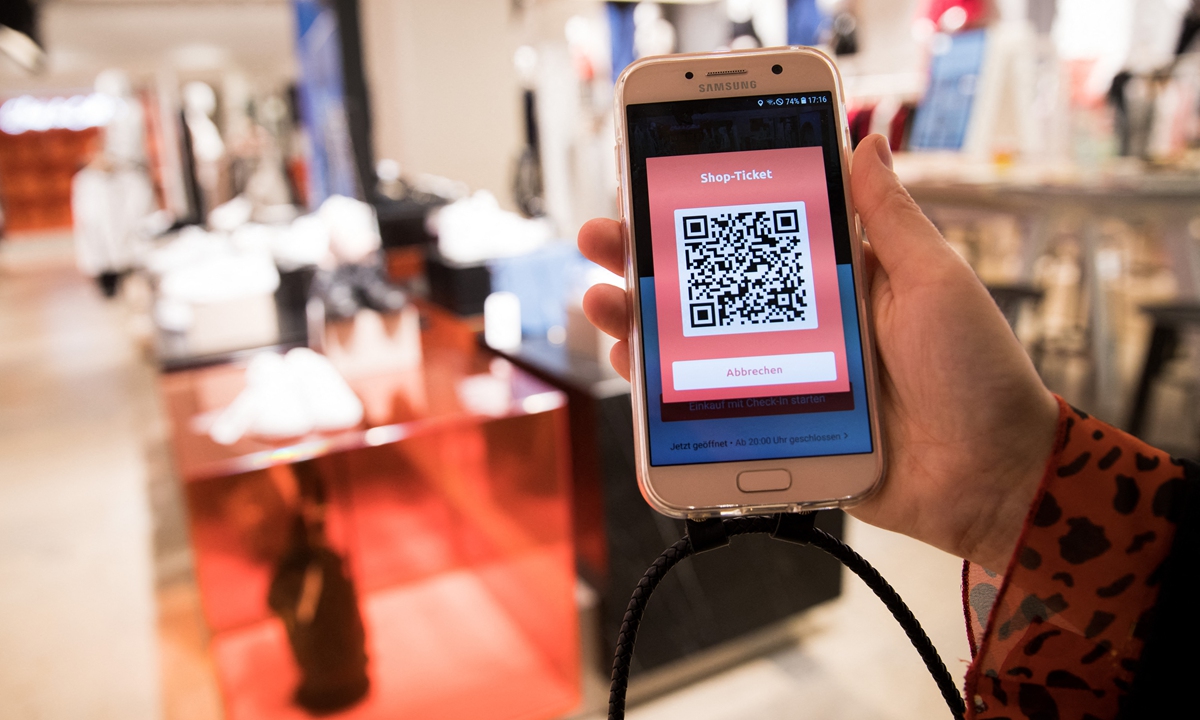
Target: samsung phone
{"type": "Point", "coordinates": [753, 368]}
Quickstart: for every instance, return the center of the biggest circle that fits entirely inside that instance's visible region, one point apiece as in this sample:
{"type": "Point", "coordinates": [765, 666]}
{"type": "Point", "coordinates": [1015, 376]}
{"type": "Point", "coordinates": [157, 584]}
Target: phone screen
{"type": "Point", "coordinates": [750, 328]}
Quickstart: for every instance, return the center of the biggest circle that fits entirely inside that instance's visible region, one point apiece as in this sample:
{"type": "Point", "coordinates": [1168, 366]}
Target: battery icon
{"type": "Point", "coordinates": [803, 101]}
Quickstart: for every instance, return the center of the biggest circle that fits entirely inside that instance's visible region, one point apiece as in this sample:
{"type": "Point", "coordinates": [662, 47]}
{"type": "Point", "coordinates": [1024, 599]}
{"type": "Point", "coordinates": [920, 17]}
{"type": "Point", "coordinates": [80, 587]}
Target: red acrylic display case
{"type": "Point", "coordinates": [450, 509]}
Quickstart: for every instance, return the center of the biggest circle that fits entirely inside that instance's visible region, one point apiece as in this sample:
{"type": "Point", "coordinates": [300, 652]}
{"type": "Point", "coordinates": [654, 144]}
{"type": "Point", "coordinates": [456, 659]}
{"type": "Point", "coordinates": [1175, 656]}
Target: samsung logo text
{"type": "Point", "coordinates": [732, 85]}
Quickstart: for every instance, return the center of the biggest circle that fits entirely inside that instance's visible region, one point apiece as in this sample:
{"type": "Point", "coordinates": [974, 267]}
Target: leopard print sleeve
{"type": "Point", "coordinates": [1059, 634]}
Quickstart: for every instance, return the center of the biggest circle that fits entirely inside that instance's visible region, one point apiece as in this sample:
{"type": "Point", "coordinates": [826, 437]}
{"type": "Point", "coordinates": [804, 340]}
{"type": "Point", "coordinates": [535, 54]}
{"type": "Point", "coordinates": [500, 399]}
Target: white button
{"type": "Point", "coordinates": [754, 371]}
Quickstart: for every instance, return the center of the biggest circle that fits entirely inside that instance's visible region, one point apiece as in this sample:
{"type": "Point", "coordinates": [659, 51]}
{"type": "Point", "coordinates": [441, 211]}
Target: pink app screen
{"type": "Point", "coordinates": [745, 275]}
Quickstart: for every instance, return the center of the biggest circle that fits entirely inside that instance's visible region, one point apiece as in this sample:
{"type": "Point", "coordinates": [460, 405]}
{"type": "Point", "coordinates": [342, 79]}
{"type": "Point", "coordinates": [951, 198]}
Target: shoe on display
{"type": "Point", "coordinates": [277, 407]}
{"type": "Point", "coordinates": [376, 292]}
{"type": "Point", "coordinates": [336, 290]}
{"type": "Point", "coordinates": [328, 400]}
{"type": "Point", "coordinates": [288, 397]}
{"type": "Point", "coordinates": [353, 286]}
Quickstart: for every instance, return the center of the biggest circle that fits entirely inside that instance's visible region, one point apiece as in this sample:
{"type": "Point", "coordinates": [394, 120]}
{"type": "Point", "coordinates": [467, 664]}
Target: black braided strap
{"type": "Point", "coordinates": [682, 549]}
{"type": "Point", "coordinates": [912, 628]}
{"type": "Point", "coordinates": [633, 618]}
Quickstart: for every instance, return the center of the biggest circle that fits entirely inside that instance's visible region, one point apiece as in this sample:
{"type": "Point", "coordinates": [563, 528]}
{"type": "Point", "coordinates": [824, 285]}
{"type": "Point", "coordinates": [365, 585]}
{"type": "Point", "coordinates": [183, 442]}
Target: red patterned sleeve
{"type": "Point", "coordinates": [1059, 634]}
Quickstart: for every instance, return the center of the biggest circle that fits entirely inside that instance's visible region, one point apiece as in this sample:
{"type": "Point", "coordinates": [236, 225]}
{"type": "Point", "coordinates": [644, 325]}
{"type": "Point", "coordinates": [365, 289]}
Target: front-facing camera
{"type": "Point", "coordinates": [777, 69]}
{"type": "Point", "coordinates": [689, 76]}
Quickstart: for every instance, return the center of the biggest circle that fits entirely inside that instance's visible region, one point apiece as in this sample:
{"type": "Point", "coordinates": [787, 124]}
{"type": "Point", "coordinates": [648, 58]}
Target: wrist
{"type": "Point", "coordinates": [993, 540]}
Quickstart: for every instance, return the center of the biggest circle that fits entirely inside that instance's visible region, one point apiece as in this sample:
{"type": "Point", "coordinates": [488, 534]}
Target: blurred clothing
{"type": "Point", "coordinates": [108, 207]}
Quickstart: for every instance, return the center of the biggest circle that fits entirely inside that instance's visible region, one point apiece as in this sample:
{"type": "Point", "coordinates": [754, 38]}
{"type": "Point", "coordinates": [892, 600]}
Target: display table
{"type": "Point", "coordinates": [1043, 199]}
{"type": "Point", "coordinates": [448, 506]}
{"type": "Point", "coordinates": [233, 331]}
{"type": "Point", "coordinates": [712, 599]}
{"type": "Point", "coordinates": [1039, 196]}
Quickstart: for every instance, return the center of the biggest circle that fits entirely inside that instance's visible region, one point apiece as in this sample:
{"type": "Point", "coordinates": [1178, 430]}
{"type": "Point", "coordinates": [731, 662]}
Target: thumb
{"type": "Point", "coordinates": [901, 236]}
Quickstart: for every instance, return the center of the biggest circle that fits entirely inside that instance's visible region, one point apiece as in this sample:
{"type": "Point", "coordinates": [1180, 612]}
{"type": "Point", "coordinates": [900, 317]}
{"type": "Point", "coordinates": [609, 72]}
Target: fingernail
{"type": "Point", "coordinates": [885, 150]}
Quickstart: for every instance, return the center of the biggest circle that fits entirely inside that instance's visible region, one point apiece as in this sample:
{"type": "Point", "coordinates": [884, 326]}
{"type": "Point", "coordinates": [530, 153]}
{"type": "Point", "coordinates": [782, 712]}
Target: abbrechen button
{"type": "Point", "coordinates": [721, 373]}
{"type": "Point", "coordinates": [764, 480]}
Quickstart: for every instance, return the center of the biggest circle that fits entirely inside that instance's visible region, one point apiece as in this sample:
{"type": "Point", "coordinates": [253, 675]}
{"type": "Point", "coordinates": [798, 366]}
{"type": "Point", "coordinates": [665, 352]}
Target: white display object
{"type": "Point", "coordinates": [502, 321]}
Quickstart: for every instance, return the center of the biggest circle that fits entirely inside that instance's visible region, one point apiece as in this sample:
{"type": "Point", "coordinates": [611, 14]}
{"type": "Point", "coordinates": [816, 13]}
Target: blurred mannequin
{"type": "Point", "coordinates": [208, 149]}
{"type": "Point", "coordinates": [238, 130]}
{"type": "Point", "coordinates": [268, 184]}
{"type": "Point", "coordinates": [111, 197]}
{"type": "Point", "coordinates": [125, 135]}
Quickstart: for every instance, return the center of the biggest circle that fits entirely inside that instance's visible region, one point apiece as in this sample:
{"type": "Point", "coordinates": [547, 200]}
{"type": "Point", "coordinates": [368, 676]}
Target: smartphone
{"type": "Point", "coordinates": [753, 367]}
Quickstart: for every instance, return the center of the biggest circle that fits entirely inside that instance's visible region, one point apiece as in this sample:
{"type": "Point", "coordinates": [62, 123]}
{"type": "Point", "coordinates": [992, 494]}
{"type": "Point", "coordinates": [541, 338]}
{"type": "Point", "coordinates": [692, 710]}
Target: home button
{"type": "Point", "coordinates": [764, 480]}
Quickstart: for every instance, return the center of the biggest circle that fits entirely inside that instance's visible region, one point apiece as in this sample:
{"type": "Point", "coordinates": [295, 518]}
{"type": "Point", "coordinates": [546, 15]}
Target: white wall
{"type": "Point", "coordinates": [444, 94]}
{"type": "Point", "coordinates": [885, 41]}
{"type": "Point", "coordinates": [192, 39]}
{"type": "Point", "coordinates": [446, 99]}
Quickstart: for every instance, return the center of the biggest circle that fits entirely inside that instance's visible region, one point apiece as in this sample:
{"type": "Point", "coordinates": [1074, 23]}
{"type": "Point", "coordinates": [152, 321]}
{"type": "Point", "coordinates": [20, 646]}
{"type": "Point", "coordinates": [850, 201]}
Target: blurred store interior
{"type": "Point", "coordinates": [299, 412]}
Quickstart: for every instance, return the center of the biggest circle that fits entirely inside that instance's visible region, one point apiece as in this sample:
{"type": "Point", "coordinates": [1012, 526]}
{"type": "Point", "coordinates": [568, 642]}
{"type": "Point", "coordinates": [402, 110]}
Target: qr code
{"type": "Point", "coordinates": [744, 269]}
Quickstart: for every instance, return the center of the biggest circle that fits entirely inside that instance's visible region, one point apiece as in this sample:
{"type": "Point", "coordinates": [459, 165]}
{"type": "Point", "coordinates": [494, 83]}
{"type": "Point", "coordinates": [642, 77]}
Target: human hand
{"type": "Point", "coordinates": [968, 423]}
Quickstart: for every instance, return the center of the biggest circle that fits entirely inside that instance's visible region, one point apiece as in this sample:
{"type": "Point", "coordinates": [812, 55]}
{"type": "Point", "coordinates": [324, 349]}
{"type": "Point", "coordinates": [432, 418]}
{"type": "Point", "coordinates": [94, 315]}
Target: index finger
{"type": "Point", "coordinates": [600, 241]}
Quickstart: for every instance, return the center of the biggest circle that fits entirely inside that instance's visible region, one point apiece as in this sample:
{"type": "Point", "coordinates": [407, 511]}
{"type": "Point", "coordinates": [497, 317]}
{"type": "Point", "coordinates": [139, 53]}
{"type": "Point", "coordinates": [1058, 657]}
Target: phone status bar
{"type": "Point", "coordinates": [781, 100]}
